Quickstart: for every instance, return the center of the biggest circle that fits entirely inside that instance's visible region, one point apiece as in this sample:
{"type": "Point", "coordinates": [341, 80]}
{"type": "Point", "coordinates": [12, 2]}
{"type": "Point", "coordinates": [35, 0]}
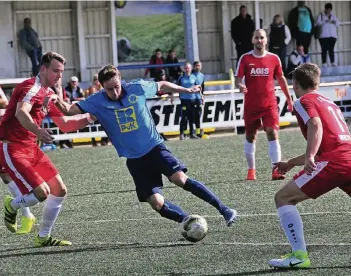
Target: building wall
{"type": "Point", "coordinates": [97, 35]}
{"type": "Point", "coordinates": [53, 21]}
{"type": "Point", "coordinates": [210, 34]}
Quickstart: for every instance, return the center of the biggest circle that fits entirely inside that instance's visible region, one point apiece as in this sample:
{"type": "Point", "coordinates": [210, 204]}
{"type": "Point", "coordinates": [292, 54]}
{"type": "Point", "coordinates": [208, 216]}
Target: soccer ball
{"type": "Point", "coordinates": [194, 228]}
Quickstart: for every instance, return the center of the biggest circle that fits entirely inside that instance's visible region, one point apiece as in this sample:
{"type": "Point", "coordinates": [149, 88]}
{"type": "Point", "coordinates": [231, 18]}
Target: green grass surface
{"type": "Point", "coordinates": [147, 33]}
{"type": "Point", "coordinates": [113, 234]}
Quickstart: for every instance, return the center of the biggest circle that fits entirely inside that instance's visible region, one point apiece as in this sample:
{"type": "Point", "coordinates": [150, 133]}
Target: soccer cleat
{"type": "Point", "coordinates": [182, 137]}
{"type": "Point", "coordinates": [277, 176]}
{"type": "Point", "coordinates": [296, 259]}
{"type": "Point", "coordinates": [230, 216]}
{"type": "Point", "coordinates": [251, 174]}
{"type": "Point", "coordinates": [10, 218]}
{"type": "Point", "coordinates": [193, 136]}
{"type": "Point", "coordinates": [50, 241]}
{"type": "Point", "coordinates": [26, 225]}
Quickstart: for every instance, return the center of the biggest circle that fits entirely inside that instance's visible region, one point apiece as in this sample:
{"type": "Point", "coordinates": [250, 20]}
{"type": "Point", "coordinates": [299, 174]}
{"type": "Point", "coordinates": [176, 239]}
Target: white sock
{"type": "Point", "coordinates": [50, 213]}
{"type": "Point", "coordinates": [27, 200]}
{"type": "Point", "coordinates": [274, 151]}
{"type": "Point", "coordinates": [15, 193]}
{"type": "Point", "coordinates": [292, 225]}
{"type": "Point", "coordinates": [249, 149]}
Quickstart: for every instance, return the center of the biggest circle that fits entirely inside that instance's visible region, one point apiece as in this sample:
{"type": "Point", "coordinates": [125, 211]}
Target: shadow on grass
{"type": "Point", "coordinates": [96, 248]}
{"type": "Point", "coordinates": [209, 184]}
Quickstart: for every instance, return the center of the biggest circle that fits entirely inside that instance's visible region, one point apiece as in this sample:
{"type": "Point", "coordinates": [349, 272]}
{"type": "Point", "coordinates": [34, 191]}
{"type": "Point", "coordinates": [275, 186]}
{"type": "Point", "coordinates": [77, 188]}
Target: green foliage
{"type": "Point", "coordinates": [147, 33]}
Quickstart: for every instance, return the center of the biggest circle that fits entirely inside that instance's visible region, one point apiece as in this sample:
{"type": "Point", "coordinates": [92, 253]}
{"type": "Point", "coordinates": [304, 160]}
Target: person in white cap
{"type": "Point", "coordinates": [74, 92]}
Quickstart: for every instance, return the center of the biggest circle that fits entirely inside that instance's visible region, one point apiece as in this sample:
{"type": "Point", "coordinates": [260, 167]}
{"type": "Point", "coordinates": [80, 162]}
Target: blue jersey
{"type": "Point", "coordinates": [127, 121]}
{"type": "Point", "coordinates": [200, 79]}
{"type": "Point", "coordinates": [187, 82]}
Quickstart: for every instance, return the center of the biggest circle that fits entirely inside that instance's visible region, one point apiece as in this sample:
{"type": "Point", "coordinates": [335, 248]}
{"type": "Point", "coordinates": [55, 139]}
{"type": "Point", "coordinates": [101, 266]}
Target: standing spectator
{"type": "Point", "coordinates": [279, 38]}
{"type": "Point", "coordinates": [301, 24]}
{"type": "Point", "coordinates": [296, 58]}
{"type": "Point", "coordinates": [187, 103]}
{"type": "Point", "coordinates": [74, 92]}
{"type": "Point", "coordinates": [328, 24]}
{"type": "Point", "coordinates": [199, 97]}
{"type": "Point", "coordinates": [173, 72]}
{"type": "Point", "coordinates": [156, 58]}
{"type": "Point", "coordinates": [29, 40]}
{"type": "Point", "coordinates": [242, 28]}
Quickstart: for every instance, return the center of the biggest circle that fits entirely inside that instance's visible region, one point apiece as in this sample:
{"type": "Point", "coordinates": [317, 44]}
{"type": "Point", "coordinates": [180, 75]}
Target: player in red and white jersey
{"type": "Point", "coordinates": [28, 219]}
{"type": "Point", "coordinates": [327, 161]}
{"type": "Point", "coordinates": [259, 68]}
{"type": "Point", "coordinates": [32, 171]}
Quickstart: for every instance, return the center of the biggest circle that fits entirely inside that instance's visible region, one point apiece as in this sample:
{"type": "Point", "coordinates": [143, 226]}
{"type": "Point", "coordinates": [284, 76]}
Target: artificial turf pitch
{"type": "Point", "coordinates": [113, 234]}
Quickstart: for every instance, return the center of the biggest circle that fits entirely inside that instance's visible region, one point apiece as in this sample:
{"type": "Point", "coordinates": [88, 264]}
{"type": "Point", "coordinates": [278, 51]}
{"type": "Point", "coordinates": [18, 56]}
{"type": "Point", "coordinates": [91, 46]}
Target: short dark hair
{"type": "Point", "coordinates": [328, 6]}
{"type": "Point", "coordinates": [26, 19]}
{"type": "Point", "coordinates": [242, 7]}
{"type": "Point", "coordinates": [49, 56]}
{"type": "Point", "coordinates": [307, 75]}
{"type": "Point", "coordinates": [158, 50]}
{"type": "Point", "coordinates": [196, 63]}
{"type": "Point", "coordinates": [107, 73]}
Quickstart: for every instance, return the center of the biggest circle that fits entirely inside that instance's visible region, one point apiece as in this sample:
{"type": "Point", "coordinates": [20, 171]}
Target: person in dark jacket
{"type": "Point", "coordinates": [29, 40]}
{"type": "Point", "coordinates": [73, 91]}
{"type": "Point", "coordinates": [173, 72]}
{"type": "Point", "coordinates": [301, 24]}
{"type": "Point", "coordinates": [242, 28]}
{"type": "Point", "coordinates": [156, 58]}
{"type": "Point", "coordinates": [279, 38]}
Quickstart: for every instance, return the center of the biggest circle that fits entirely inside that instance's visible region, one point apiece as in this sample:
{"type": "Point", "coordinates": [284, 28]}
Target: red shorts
{"type": "Point", "coordinates": [27, 166]}
{"type": "Point", "coordinates": [269, 118]}
{"type": "Point", "coordinates": [327, 176]}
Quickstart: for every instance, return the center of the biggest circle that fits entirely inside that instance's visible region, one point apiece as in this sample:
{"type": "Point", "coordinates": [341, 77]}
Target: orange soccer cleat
{"type": "Point", "coordinates": [276, 175]}
{"type": "Point", "coordinates": [251, 174]}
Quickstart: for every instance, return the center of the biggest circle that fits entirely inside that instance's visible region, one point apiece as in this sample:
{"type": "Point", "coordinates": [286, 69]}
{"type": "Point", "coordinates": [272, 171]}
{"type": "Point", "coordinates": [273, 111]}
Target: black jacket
{"type": "Point", "coordinates": [173, 72]}
{"type": "Point", "coordinates": [293, 19]}
{"type": "Point", "coordinates": [242, 30]}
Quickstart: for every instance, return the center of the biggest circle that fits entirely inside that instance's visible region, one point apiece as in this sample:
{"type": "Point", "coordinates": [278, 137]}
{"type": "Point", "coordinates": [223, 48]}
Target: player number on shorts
{"type": "Point", "coordinates": [339, 118]}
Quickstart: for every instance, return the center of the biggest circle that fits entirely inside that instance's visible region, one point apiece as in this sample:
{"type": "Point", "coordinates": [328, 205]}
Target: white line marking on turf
{"type": "Point", "coordinates": [217, 216]}
{"type": "Point", "coordinates": [97, 243]}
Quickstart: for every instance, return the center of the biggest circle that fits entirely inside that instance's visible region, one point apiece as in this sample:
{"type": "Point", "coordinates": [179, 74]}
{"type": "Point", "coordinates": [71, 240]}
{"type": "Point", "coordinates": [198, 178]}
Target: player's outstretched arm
{"type": "Point", "coordinates": [314, 139]}
{"type": "Point", "coordinates": [73, 123]}
{"type": "Point", "coordinates": [64, 107]}
{"type": "Point", "coordinates": [284, 86]}
{"type": "Point", "coordinates": [169, 87]}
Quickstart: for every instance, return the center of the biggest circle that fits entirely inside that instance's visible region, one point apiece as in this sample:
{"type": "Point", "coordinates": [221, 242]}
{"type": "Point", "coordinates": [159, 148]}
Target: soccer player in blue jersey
{"type": "Point", "coordinates": [187, 102]}
{"type": "Point", "coordinates": [199, 97]}
{"type": "Point", "coordinates": [122, 111]}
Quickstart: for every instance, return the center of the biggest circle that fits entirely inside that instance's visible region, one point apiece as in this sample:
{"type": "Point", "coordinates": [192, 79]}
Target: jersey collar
{"type": "Point", "coordinates": [264, 54]}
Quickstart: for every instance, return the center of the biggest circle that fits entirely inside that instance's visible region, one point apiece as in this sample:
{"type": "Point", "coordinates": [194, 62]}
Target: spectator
{"type": "Point", "coordinates": [156, 58]}
{"type": "Point", "coordinates": [301, 24]}
{"type": "Point", "coordinates": [296, 58]}
{"type": "Point", "coordinates": [61, 92]}
{"type": "Point", "coordinates": [74, 92]}
{"type": "Point", "coordinates": [173, 72]}
{"type": "Point", "coordinates": [242, 28]}
{"type": "Point", "coordinates": [279, 38]}
{"type": "Point", "coordinates": [199, 102]}
{"type": "Point", "coordinates": [95, 87]}
{"type": "Point", "coordinates": [328, 24]}
{"type": "Point", "coordinates": [29, 40]}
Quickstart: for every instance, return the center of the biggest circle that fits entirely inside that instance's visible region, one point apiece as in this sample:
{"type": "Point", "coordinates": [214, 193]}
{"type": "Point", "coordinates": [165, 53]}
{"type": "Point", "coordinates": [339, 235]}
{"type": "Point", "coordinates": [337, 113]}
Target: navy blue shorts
{"type": "Point", "coordinates": [147, 170]}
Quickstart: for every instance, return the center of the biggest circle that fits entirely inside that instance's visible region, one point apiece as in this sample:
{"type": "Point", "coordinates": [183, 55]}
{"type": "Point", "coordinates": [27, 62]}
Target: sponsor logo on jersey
{"type": "Point", "coordinates": [259, 71]}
